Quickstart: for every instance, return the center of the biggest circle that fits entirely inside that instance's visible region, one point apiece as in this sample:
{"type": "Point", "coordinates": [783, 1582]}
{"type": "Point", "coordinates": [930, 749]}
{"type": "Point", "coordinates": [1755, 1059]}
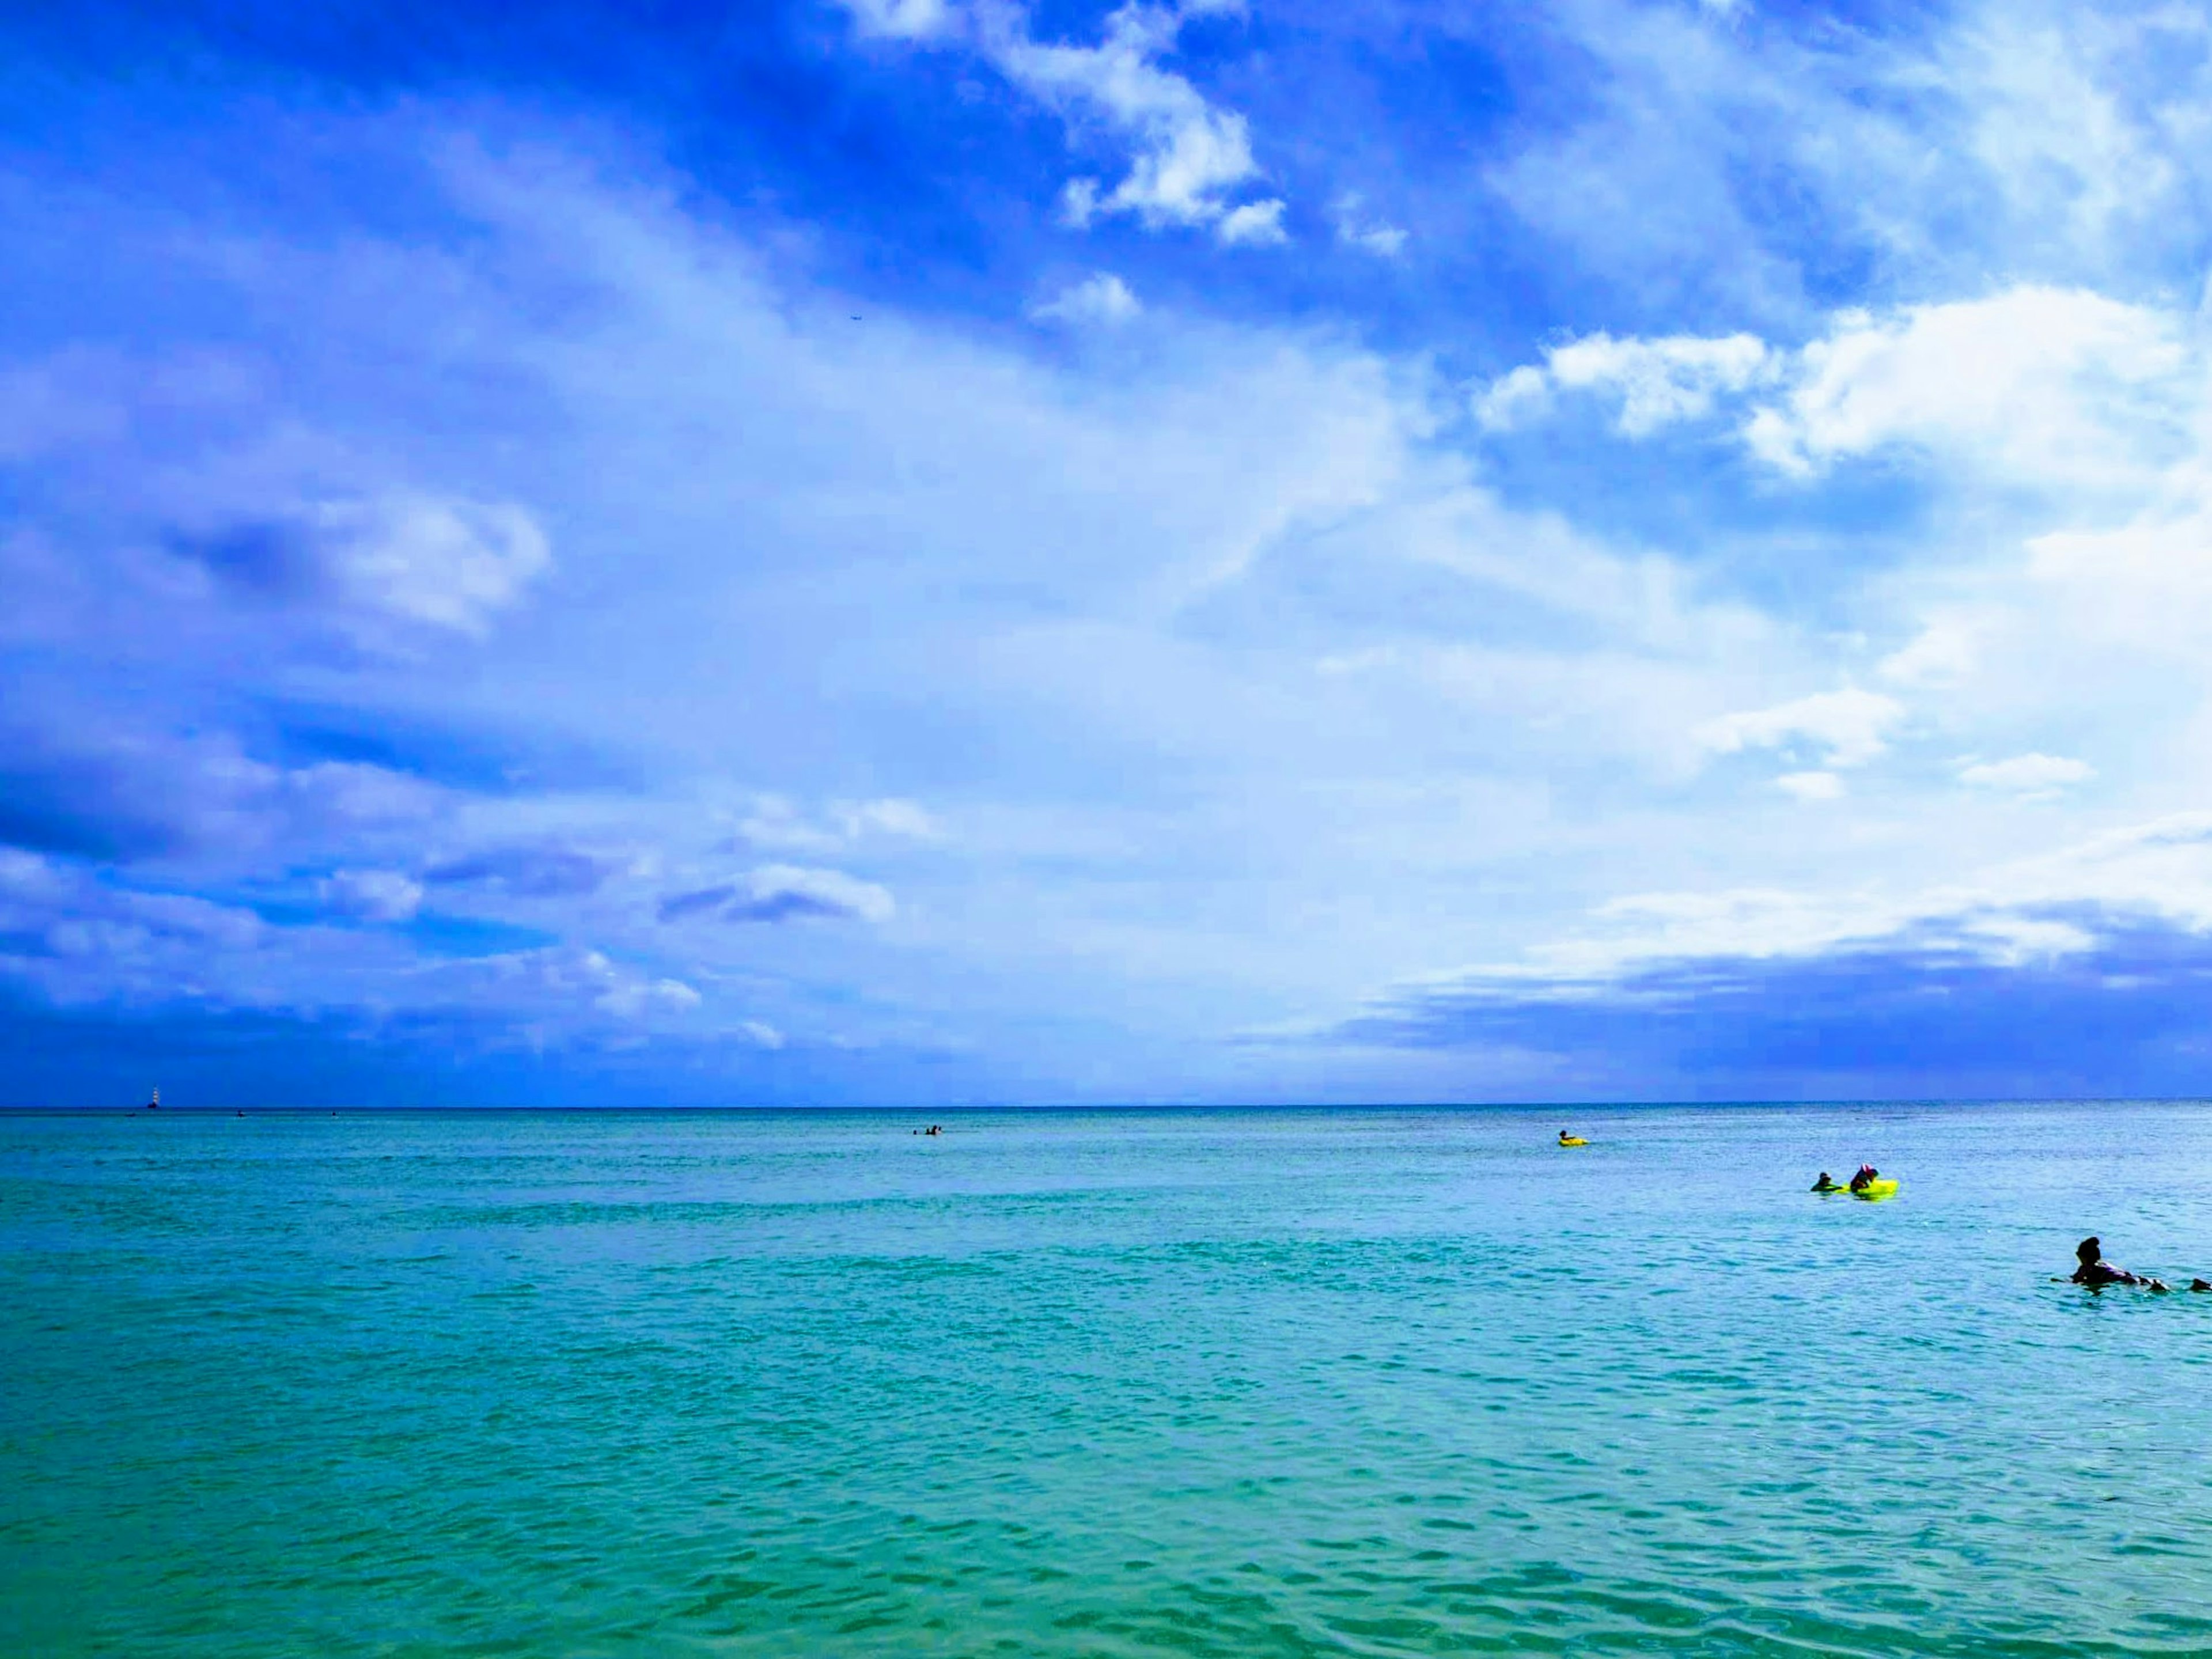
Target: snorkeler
{"type": "Point", "coordinates": [1826, 1184]}
{"type": "Point", "coordinates": [2097, 1272]}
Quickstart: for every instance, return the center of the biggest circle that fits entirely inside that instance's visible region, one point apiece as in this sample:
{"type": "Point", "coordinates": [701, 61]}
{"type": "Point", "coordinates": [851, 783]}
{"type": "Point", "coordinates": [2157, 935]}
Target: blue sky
{"type": "Point", "coordinates": [936, 550]}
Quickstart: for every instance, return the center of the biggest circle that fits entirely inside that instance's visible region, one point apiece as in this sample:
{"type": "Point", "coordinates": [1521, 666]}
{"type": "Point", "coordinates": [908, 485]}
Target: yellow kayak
{"type": "Point", "coordinates": [1572, 1141]}
{"type": "Point", "coordinates": [1873, 1192]}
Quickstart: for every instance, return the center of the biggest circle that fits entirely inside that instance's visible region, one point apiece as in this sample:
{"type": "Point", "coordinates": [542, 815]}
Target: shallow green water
{"type": "Point", "coordinates": [1297, 1383]}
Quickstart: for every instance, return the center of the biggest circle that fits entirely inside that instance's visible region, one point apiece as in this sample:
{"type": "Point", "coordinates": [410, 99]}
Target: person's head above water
{"type": "Point", "coordinates": [2088, 1250]}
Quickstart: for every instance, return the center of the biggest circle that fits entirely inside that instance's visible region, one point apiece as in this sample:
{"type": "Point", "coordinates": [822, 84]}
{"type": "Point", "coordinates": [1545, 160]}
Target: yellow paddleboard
{"type": "Point", "coordinates": [1875, 1190]}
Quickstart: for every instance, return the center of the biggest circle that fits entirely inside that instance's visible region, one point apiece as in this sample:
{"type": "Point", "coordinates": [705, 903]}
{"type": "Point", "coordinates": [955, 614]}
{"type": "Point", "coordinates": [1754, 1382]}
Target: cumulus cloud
{"type": "Point", "coordinates": [76, 939]}
{"type": "Point", "coordinates": [2028, 775]}
{"type": "Point", "coordinates": [1256, 224]}
{"type": "Point", "coordinates": [1190, 158]}
{"type": "Point", "coordinates": [2032, 384]}
{"type": "Point", "coordinates": [1103, 298]}
{"type": "Point", "coordinates": [784, 893]}
{"type": "Point", "coordinates": [1189, 155]}
{"type": "Point", "coordinates": [1655, 383]}
{"type": "Point", "coordinates": [1846, 728]}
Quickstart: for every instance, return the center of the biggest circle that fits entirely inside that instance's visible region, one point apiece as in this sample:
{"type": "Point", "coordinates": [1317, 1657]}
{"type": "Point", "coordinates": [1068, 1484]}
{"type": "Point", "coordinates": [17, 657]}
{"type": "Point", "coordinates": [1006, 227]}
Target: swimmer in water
{"type": "Point", "coordinates": [2096, 1272]}
{"type": "Point", "coordinates": [1826, 1184]}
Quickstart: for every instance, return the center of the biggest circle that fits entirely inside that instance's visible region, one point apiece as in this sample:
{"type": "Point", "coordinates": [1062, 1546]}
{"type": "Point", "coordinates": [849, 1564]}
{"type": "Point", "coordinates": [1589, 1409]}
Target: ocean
{"type": "Point", "coordinates": [1307, 1383]}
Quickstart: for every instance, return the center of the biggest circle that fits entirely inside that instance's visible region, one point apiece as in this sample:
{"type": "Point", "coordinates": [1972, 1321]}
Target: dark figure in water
{"type": "Point", "coordinates": [1864, 1178]}
{"type": "Point", "coordinates": [2097, 1272]}
{"type": "Point", "coordinates": [1826, 1184]}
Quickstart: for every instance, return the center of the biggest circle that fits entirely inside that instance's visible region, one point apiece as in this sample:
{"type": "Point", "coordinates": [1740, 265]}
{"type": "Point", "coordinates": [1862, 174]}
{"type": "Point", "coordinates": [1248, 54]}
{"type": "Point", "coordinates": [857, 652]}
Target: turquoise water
{"type": "Point", "coordinates": [1234, 1383]}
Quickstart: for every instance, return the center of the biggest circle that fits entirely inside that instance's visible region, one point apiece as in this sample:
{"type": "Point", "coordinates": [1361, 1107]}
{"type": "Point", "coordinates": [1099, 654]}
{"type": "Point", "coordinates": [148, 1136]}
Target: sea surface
{"type": "Point", "coordinates": [1286, 1382]}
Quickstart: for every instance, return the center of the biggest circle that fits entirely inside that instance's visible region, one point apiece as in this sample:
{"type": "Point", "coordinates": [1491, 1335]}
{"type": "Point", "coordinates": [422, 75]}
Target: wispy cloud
{"type": "Point", "coordinates": [1848, 727]}
{"type": "Point", "coordinates": [1355, 229]}
{"type": "Point", "coordinates": [784, 893]}
{"type": "Point", "coordinates": [2028, 775]}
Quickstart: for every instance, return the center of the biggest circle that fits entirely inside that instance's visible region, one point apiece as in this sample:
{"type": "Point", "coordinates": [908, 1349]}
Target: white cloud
{"type": "Point", "coordinates": [630, 996]}
{"type": "Point", "coordinates": [2161, 868]}
{"type": "Point", "coordinates": [95, 941]}
{"type": "Point", "coordinates": [1189, 157]}
{"type": "Point", "coordinates": [1656, 382]}
{"type": "Point", "coordinates": [1100, 298]}
{"type": "Point", "coordinates": [1256, 224]}
{"type": "Point", "coordinates": [1943, 652]}
{"type": "Point", "coordinates": [2035, 383]}
{"type": "Point", "coordinates": [904, 818]}
{"type": "Point", "coordinates": [1354, 230]}
{"type": "Point", "coordinates": [430, 561]}
{"type": "Point", "coordinates": [1519, 394]}
{"type": "Point", "coordinates": [372, 895]}
{"type": "Point", "coordinates": [447, 563]}
{"type": "Point", "coordinates": [902, 20]}
{"type": "Point", "coordinates": [2028, 775]}
{"type": "Point", "coordinates": [1847, 728]}
{"type": "Point", "coordinates": [774, 821]}
{"type": "Point", "coordinates": [544, 992]}
{"type": "Point", "coordinates": [2144, 582]}
{"type": "Point", "coordinates": [1810, 786]}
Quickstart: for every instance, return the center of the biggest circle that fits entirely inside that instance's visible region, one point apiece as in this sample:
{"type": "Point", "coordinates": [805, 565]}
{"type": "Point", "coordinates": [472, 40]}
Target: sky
{"type": "Point", "coordinates": [938, 551]}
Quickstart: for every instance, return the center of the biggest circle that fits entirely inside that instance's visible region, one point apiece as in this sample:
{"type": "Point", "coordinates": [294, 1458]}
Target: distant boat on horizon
{"type": "Point", "coordinates": [154, 1104]}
